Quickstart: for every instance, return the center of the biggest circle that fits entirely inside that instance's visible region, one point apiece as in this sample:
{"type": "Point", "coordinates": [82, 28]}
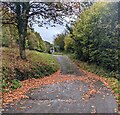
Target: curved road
{"type": "Point", "coordinates": [67, 66]}
{"type": "Point", "coordinates": [66, 97]}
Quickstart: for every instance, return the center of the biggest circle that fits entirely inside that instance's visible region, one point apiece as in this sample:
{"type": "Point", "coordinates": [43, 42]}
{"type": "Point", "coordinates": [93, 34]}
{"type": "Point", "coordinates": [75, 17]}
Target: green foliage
{"type": "Point", "coordinates": [9, 32]}
{"type": "Point", "coordinates": [4, 83]}
{"type": "Point", "coordinates": [69, 44]}
{"type": "Point", "coordinates": [59, 41]}
{"type": "Point", "coordinates": [43, 64]}
{"type": "Point", "coordinates": [15, 84]}
{"type": "Point", "coordinates": [95, 36]}
{"type": "Point", "coordinates": [48, 46]}
{"type": "Point", "coordinates": [10, 38]}
{"type": "Point", "coordinates": [34, 41]}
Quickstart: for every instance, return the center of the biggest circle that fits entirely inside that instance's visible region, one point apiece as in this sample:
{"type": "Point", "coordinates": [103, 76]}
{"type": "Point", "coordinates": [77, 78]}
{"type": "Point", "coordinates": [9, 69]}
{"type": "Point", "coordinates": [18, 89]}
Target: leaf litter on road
{"type": "Point", "coordinates": [88, 78]}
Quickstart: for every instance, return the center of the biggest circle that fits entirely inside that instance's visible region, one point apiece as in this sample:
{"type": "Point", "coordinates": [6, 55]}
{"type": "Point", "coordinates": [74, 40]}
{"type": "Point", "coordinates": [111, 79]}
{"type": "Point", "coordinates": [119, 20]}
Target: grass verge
{"type": "Point", "coordinates": [14, 69]}
{"type": "Point", "coordinates": [113, 82]}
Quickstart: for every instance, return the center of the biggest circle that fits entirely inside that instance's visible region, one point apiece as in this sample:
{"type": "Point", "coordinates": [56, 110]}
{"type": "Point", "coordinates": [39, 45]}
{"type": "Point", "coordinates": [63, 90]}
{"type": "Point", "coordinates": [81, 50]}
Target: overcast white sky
{"type": "Point", "coordinates": [50, 33]}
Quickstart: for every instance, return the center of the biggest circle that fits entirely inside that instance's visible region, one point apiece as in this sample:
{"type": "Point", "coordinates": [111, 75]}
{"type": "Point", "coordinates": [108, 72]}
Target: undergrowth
{"type": "Point", "coordinates": [14, 69]}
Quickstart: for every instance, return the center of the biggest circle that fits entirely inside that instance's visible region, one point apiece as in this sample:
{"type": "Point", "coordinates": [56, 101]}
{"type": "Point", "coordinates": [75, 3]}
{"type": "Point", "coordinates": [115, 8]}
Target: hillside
{"type": "Point", "coordinates": [36, 65]}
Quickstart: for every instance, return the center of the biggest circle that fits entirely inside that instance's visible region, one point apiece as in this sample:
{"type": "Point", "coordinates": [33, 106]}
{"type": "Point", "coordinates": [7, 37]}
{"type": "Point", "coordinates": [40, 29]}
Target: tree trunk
{"type": "Point", "coordinates": [119, 40]}
{"type": "Point", "coordinates": [22, 11]}
{"type": "Point", "coordinates": [22, 29]}
{"type": "Point", "coordinates": [22, 46]}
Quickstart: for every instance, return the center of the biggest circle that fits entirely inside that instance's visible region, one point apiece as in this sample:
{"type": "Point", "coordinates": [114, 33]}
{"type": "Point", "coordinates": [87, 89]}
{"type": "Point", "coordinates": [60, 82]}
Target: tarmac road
{"type": "Point", "coordinates": [66, 97]}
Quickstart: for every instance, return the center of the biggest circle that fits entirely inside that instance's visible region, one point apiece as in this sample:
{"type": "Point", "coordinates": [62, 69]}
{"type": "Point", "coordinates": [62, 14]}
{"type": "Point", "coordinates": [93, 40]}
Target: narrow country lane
{"type": "Point", "coordinates": [67, 97]}
{"type": "Point", "coordinates": [67, 66]}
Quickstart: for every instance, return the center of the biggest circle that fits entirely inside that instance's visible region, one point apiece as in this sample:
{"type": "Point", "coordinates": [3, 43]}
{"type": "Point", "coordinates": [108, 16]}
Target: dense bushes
{"type": "Point", "coordinates": [95, 36]}
{"type": "Point", "coordinates": [69, 44]}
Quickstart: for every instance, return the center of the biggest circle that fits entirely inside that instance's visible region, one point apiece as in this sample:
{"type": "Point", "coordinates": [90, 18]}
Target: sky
{"type": "Point", "coordinates": [50, 33]}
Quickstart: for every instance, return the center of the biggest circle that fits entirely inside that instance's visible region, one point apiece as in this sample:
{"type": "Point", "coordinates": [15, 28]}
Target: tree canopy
{"type": "Point", "coordinates": [94, 37]}
{"type": "Point", "coordinates": [23, 14]}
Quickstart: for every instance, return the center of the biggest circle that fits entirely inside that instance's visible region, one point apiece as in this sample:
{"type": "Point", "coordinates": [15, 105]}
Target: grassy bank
{"type": "Point", "coordinates": [14, 69]}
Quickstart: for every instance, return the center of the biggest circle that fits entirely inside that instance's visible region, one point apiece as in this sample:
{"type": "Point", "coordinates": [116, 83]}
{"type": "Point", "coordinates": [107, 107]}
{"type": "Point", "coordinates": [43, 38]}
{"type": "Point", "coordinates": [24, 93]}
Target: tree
{"type": "Point", "coordinates": [48, 46]}
{"type": "Point", "coordinates": [96, 36]}
{"type": "Point", "coordinates": [24, 13]}
{"type": "Point", "coordinates": [119, 39]}
{"type": "Point", "coordinates": [34, 41]}
{"type": "Point", "coordinates": [9, 39]}
{"type": "Point", "coordinates": [69, 44]}
{"type": "Point", "coordinates": [59, 41]}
